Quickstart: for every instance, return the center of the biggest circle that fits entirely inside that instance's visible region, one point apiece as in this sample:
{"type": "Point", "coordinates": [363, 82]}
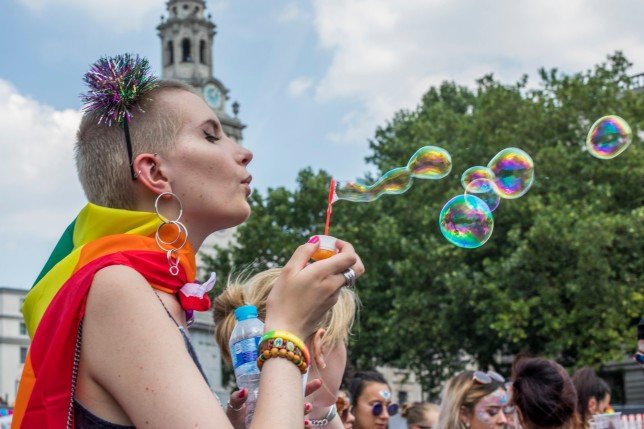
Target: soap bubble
{"type": "Point", "coordinates": [513, 172]}
{"type": "Point", "coordinates": [466, 221]}
{"type": "Point", "coordinates": [608, 137]}
{"type": "Point", "coordinates": [396, 181]}
{"type": "Point", "coordinates": [476, 172]}
{"type": "Point", "coordinates": [486, 190]}
{"type": "Point", "coordinates": [354, 191]}
{"type": "Point", "coordinates": [430, 162]}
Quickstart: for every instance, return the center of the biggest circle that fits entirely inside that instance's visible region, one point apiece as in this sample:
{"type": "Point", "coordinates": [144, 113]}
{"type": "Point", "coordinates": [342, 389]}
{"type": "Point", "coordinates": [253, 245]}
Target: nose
{"type": "Point", "coordinates": [385, 413]}
{"type": "Point", "coordinates": [503, 420]}
{"type": "Point", "coordinates": [246, 156]}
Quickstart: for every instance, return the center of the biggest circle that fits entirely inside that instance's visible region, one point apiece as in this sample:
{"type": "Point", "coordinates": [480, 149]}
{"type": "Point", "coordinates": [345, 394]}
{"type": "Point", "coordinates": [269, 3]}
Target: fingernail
{"type": "Point", "coordinates": [307, 407]}
{"type": "Point", "coordinates": [242, 393]}
{"type": "Point", "coordinates": [307, 422]}
{"type": "Point", "coordinates": [314, 239]}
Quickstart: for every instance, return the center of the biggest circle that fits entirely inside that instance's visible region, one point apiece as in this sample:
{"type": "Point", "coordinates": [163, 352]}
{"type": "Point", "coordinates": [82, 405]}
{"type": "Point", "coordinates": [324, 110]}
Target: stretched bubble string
{"type": "Point", "coordinates": [428, 162]}
{"type": "Point", "coordinates": [329, 207]}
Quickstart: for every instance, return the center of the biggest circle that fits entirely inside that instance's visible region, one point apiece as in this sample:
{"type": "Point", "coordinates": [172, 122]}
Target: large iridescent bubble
{"type": "Point", "coordinates": [429, 162]}
{"type": "Point", "coordinates": [476, 172]}
{"type": "Point", "coordinates": [608, 137]}
{"type": "Point", "coordinates": [486, 190]}
{"type": "Point", "coordinates": [513, 172]}
{"type": "Point", "coordinates": [466, 221]}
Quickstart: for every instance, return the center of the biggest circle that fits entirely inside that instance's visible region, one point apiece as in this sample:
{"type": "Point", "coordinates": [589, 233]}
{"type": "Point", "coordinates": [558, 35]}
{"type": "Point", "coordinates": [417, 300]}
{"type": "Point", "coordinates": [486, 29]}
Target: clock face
{"type": "Point", "coordinates": [213, 96]}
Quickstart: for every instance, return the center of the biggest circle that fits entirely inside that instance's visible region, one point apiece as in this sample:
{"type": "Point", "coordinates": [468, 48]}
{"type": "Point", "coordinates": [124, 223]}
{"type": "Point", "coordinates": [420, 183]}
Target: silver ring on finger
{"type": "Point", "coordinates": [235, 409]}
{"type": "Point", "coordinates": [350, 277]}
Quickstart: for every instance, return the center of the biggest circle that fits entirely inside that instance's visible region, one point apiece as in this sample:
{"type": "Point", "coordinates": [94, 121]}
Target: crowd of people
{"type": "Point", "coordinates": [539, 395]}
{"type": "Point", "coordinates": [109, 314]}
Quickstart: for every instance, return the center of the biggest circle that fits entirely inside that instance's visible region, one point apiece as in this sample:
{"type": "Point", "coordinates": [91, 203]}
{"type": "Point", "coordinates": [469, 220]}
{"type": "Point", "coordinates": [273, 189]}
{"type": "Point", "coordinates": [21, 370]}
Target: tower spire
{"type": "Point", "coordinates": [187, 37]}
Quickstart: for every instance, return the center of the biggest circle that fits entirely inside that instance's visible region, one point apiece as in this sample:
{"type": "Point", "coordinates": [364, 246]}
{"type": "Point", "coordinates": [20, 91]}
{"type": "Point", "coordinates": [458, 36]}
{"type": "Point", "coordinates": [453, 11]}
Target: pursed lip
{"type": "Point", "coordinates": [246, 183]}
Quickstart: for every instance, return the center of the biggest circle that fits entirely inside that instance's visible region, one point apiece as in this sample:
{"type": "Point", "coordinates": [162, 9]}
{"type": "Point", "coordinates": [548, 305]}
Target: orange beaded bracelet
{"type": "Point", "coordinates": [274, 344]}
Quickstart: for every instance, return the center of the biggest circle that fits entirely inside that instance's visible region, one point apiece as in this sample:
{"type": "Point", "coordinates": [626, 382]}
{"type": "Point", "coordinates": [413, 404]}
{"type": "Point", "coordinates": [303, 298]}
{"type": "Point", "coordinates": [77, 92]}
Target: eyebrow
{"type": "Point", "coordinates": [215, 125]}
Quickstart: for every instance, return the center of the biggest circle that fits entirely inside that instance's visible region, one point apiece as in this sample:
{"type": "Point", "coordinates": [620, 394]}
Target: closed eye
{"type": "Point", "coordinates": [211, 138]}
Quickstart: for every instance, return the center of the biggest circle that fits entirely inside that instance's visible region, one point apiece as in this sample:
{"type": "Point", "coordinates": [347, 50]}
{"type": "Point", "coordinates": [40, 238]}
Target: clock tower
{"type": "Point", "coordinates": [187, 36]}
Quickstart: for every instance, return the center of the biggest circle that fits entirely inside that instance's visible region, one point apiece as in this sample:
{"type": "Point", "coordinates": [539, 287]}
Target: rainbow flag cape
{"type": "Point", "coordinates": [54, 307]}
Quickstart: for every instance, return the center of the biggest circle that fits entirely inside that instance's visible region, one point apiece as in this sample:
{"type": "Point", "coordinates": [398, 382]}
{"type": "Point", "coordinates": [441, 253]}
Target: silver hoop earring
{"type": "Point", "coordinates": [172, 247]}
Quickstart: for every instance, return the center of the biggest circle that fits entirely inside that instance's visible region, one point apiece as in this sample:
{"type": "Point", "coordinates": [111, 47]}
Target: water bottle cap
{"type": "Point", "coordinates": [245, 312]}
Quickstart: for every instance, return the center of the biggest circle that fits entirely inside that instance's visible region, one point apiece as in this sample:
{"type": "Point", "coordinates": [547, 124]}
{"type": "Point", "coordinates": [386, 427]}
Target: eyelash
{"type": "Point", "coordinates": [210, 137]}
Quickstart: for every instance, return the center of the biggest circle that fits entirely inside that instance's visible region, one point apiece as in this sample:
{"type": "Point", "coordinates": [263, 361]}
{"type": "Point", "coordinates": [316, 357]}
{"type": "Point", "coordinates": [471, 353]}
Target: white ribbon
{"type": "Point", "coordinates": [199, 290]}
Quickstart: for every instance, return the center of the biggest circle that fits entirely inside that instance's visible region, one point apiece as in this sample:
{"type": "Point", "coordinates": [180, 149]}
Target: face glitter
{"type": "Point", "coordinates": [489, 408]}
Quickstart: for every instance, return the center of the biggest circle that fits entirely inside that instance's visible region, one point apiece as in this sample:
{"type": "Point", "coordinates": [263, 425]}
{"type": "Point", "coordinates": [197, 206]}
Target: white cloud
{"type": "Point", "coordinates": [292, 12]}
{"type": "Point", "coordinates": [299, 86]}
{"type": "Point", "coordinates": [40, 189]}
{"type": "Point", "coordinates": [387, 54]}
{"type": "Point", "coordinates": [119, 15]}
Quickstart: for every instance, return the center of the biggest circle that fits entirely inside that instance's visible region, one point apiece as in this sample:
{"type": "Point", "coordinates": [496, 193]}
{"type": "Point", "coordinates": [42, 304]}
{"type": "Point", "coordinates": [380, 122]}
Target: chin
{"type": "Point", "coordinates": [241, 217]}
{"type": "Point", "coordinates": [233, 219]}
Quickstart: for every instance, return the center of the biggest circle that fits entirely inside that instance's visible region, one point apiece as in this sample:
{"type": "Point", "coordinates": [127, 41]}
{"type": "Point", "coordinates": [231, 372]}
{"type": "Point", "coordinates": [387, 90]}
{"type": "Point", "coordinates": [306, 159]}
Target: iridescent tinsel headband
{"type": "Point", "coordinates": [116, 85]}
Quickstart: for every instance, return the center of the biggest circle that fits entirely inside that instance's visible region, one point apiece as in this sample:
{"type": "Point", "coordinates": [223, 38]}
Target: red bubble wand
{"type": "Point", "coordinates": [329, 208]}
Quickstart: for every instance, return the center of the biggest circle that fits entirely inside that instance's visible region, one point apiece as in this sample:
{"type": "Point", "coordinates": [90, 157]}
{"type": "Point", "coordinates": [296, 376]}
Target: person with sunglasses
{"type": "Point", "coordinates": [420, 415]}
{"type": "Point", "coordinates": [371, 399]}
{"type": "Point", "coordinates": [345, 410]}
{"type": "Point", "coordinates": [476, 400]}
{"type": "Point", "coordinates": [639, 355]}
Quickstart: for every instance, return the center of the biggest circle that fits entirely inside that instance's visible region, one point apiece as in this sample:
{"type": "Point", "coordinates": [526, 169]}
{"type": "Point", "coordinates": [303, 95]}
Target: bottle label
{"type": "Point", "coordinates": [245, 351]}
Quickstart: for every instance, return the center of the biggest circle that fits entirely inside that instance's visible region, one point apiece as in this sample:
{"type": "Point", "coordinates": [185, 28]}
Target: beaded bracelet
{"type": "Point", "coordinates": [287, 336]}
{"type": "Point", "coordinates": [285, 345]}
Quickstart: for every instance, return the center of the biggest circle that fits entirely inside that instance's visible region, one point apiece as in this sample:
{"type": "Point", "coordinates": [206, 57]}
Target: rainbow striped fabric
{"type": "Point", "coordinates": [54, 307]}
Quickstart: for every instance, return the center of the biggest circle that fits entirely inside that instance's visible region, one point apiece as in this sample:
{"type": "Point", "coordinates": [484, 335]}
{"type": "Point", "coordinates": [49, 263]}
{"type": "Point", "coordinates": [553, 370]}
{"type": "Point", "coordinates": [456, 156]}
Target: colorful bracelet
{"type": "Point", "coordinates": [286, 345]}
{"type": "Point", "coordinates": [287, 336]}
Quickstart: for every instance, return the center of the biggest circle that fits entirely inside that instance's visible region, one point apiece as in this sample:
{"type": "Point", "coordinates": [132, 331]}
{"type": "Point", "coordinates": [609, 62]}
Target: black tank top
{"type": "Point", "coordinates": [85, 419]}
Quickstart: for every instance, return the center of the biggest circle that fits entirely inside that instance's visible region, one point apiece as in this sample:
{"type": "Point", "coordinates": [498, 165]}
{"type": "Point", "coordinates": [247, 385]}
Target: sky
{"type": "Point", "coordinates": [314, 79]}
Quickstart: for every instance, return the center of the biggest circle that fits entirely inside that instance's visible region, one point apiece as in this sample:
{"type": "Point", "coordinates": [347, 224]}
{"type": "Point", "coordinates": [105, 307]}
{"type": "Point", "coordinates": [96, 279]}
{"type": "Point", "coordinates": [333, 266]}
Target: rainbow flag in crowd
{"type": "Point", "coordinates": [54, 307]}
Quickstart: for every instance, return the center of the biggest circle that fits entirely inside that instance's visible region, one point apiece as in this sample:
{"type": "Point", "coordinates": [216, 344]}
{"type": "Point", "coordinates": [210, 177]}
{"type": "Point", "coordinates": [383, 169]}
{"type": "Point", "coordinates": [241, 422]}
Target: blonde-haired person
{"type": "Point", "coordinates": [327, 343]}
{"type": "Point", "coordinates": [475, 400]}
{"type": "Point", "coordinates": [420, 415]}
{"type": "Point", "coordinates": [111, 280]}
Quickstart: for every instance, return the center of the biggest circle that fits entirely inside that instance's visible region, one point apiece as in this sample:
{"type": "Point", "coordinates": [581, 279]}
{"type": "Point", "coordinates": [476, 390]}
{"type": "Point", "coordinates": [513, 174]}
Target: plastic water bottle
{"type": "Point", "coordinates": [244, 342]}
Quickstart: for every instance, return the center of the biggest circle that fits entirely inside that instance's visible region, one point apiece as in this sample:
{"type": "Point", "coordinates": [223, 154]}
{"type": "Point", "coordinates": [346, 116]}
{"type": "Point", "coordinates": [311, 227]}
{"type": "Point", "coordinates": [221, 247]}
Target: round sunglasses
{"type": "Point", "coordinates": [639, 358]}
{"type": "Point", "coordinates": [377, 408]}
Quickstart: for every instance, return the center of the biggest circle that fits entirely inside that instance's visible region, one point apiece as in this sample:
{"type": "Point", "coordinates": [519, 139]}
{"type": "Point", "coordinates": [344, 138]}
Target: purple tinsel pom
{"type": "Point", "coordinates": [116, 84]}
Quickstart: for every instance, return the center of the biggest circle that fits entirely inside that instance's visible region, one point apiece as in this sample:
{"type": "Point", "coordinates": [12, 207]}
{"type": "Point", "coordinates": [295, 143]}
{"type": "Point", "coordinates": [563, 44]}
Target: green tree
{"type": "Point", "coordinates": [561, 275]}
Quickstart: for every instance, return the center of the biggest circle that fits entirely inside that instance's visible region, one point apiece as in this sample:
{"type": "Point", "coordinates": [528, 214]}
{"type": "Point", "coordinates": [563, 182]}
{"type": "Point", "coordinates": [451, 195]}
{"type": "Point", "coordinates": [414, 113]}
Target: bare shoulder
{"type": "Point", "coordinates": [133, 350]}
{"type": "Point", "coordinates": [117, 287]}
